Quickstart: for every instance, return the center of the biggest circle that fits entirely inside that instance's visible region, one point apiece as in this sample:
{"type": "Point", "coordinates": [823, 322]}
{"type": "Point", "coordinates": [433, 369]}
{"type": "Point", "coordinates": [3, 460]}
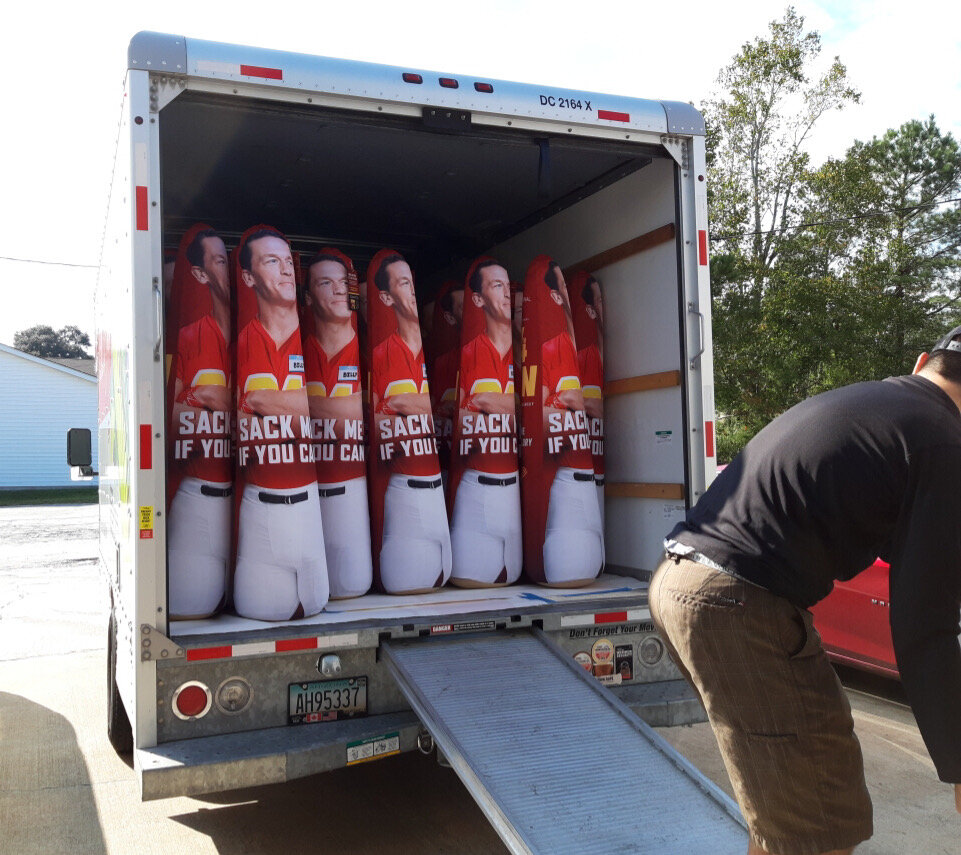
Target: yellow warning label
{"type": "Point", "coordinates": [146, 522]}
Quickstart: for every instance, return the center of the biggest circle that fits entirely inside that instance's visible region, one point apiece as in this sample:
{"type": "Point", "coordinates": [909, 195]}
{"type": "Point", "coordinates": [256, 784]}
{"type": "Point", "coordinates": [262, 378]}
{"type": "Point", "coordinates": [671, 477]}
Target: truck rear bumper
{"type": "Point", "coordinates": [213, 764]}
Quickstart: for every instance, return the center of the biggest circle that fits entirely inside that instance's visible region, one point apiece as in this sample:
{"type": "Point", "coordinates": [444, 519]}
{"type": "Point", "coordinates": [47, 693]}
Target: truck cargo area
{"type": "Point", "coordinates": [529, 691]}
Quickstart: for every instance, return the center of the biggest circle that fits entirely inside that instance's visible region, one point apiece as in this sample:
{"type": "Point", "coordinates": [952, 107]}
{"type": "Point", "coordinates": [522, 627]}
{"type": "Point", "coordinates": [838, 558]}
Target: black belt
{"type": "Point", "coordinates": [280, 499]}
{"type": "Point", "coordinates": [583, 476]}
{"type": "Point", "coordinates": [327, 492]}
{"type": "Point", "coordinates": [218, 492]}
{"type": "Point", "coordinates": [424, 485]}
{"type": "Point", "coordinates": [496, 482]}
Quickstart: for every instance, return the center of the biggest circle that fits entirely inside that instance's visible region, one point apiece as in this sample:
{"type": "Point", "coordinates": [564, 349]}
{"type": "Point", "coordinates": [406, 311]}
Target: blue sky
{"type": "Point", "coordinates": [63, 82]}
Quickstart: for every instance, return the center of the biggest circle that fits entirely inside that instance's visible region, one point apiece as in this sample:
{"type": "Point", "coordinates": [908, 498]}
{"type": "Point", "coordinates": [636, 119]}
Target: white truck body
{"type": "Point", "coordinates": [362, 156]}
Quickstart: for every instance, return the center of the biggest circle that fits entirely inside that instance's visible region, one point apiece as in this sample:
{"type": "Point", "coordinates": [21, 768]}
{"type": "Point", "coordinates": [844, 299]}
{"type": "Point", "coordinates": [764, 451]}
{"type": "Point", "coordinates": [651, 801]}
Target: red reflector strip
{"type": "Point", "coordinates": [701, 247]}
{"type": "Point", "coordinates": [613, 116]}
{"type": "Point", "coordinates": [448, 82]}
{"type": "Point", "coordinates": [146, 448]}
{"type": "Point", "coordinates": [208, 653]}
{"type": "Point", "coordinates": [709, 438]}
{"type": "Point", "coordinates": [484, 87]}
{"type": "Point", "coordinates": [258, 71]}
{"type": "Point", "coordinates": [412, 78]}
{"type": "Point", "coordinates": [611, 617]}
{"type": "Point", "coordinates": [287, 645]}
{"type": "Point", "coordinates": [143, 206]}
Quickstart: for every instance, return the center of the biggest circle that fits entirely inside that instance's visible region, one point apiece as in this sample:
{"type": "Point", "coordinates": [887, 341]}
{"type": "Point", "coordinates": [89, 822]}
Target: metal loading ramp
{"type": "Point", "coordinates": [555, 761]}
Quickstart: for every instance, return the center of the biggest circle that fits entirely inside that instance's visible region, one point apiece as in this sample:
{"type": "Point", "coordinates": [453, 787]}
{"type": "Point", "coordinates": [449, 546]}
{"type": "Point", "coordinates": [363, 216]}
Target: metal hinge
{"type": "Point", "coordinates": [163, 90]}
{"type": "Point", "coordinates": [678, 148]}
{"type": "Point", "coordinates": [154, 645]}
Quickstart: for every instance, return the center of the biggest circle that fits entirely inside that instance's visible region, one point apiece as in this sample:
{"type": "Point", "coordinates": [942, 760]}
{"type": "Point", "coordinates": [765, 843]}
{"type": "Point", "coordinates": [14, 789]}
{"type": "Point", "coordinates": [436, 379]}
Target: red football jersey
{"type": "Point", "coordinates": [559, 373]}
{"type": "Point", "coordinates": [338, 458]}
{"type": "Point", "coordinates": [277, 448]}
{"type": "Point", "coordinates": [491, 438]}
{"type": "Point", "coordinates": [591, 366]}
{"type": "Point", "coordinates": [409, 439]}
{"type": "Point", "coordinates": [203, 359]}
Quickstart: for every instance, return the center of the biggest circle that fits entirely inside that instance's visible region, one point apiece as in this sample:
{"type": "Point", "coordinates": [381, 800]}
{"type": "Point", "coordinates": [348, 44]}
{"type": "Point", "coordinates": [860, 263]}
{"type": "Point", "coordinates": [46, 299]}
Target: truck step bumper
{"type": "Point", "coordinates": [213, 764]}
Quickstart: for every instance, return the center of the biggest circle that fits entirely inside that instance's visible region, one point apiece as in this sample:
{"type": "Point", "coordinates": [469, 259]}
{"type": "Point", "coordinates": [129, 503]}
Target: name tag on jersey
{"type": "Point", "coordinates": [510, 371]}
{"type": "Point", "coordinates": [295, 364]}
{"type": "Point", "coordinates": [348, 374]}
{"type": "Point", "coordinates": [424, 367]}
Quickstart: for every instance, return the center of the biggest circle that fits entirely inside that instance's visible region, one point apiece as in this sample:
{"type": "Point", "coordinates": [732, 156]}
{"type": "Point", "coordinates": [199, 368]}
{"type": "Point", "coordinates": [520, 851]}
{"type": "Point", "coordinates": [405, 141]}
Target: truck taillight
{"type": "Point", "coordinates": [410, 77]}
{"type": "Point", "coordinates": [192, 700]}
{"type": "Point", "coordinates": [484, 87]}
{"type": "Point", "coordinates": [448, 82]}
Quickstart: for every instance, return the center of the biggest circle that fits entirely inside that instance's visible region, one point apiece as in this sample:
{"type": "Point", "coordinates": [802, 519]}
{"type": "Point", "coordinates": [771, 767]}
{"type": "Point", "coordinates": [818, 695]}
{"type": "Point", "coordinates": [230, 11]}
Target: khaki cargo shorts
{"type": "Point", "coordinates": [781, 718]}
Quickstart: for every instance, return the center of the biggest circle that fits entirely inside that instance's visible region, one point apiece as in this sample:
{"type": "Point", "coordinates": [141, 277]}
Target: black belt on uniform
{"type": "Point", "coordinates": [327, 492]}
{"type": "Point", "coordinates": [424, 485]}
{"type": "Point", "coordinates": [281, 499]}
{"type": "Point", "coordinates": [599, 480]}
{"type": "Point", "coordinates": [583, 476]}
{"type": "Point", "coordinates": [219, 492]}
{"type": "Point", "coordinates": [496, 482]}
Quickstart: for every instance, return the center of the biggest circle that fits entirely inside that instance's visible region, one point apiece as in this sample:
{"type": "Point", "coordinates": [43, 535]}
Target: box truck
{"type": "Point", "coordinates": [505, 682]}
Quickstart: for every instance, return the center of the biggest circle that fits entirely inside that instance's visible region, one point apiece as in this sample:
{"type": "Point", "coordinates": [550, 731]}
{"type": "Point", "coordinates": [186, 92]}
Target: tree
{"type": "Point", "coordinates": [903, 254]}
{"type": "Point", "coordinates": [759, 172]}
{"type": "Point", "coordinates": [66, 343]}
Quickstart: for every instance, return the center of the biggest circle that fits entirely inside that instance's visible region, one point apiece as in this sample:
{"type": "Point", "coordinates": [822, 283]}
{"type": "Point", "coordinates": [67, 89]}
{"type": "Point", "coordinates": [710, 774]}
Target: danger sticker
{"type": "Point", "coordinates": [146, 522]}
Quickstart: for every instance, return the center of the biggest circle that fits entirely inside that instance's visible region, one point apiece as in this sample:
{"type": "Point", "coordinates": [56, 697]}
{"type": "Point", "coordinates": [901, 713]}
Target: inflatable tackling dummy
{"type": "Point", "coordinates": [442, 369]}
{"type": "Point", "coordinates": [332, 366]}
{"type": "Point", "coordinates": [563, 536]}
{"type": "Point", "coordinates": [409, 532]}
{"type": "Point", "coordinates": [281, 569]}
{"type": "Point", "coordinates": [485, 497]}
{"type": "Point", "coordinates": [199, 406]}
{"type": "Point", "coordinates": [587, 309]}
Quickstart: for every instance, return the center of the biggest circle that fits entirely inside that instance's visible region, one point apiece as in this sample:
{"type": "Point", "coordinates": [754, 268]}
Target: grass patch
{"type": "Point", "coordinates": [49, 496]}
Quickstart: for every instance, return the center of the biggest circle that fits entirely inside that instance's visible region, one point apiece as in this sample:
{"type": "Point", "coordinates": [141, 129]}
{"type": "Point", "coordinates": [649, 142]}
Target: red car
{"type": "Point", "coordinates": [854, 622]}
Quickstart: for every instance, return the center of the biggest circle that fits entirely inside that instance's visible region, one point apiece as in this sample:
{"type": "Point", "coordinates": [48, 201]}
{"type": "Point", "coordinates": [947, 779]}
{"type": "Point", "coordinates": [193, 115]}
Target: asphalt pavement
{"type": "Point", "coordinates": [64, 790]}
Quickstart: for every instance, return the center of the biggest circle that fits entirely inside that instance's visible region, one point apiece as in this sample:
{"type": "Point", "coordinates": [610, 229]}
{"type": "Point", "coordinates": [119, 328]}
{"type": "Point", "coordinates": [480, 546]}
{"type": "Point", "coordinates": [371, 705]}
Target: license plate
{"type": "Point", "coordinates": [326, 700]}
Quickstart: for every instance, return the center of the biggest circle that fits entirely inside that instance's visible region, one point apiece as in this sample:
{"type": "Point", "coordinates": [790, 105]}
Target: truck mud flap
{"type": "Point", "coordinates": [557, 763]}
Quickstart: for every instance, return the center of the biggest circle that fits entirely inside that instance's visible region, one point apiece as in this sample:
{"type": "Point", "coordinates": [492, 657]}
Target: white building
{"type": "Point", "coordinates": [40, 399]}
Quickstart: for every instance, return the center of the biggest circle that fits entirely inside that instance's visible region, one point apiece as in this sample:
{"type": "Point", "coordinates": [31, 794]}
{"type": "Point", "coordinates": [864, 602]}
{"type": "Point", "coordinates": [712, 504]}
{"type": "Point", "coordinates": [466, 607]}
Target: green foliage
{"type": "Point", "coordinates": [820, 277]}
{"type": "Point", "coordinates": [66, 343]}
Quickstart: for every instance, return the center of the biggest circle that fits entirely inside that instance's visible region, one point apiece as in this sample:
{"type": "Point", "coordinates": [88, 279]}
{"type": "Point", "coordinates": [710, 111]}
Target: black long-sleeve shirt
{"type": "Point", "coordinates": [867, 470]}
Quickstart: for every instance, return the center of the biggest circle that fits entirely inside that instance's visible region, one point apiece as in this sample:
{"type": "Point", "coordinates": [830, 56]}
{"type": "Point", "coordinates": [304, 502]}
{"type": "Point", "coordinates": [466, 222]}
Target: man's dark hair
{"type": "Point", "coordinates": [475, 277]}
{"type": "Point", "coordinates": [245, 253]}
{"type": "Point", "coordinates": [550, 276]}
{"type": "Point", "coordinates": [195, 252]}
{"type": "Point", "coordinates": [322, 256]}
{"type": "Point", "coordinates": [947, 363]}
{"type": "Point", "coordinates": [381, 279]}
{"type": "Point", "coordinates": [588, 293]}
{"type": "Point", "coordinates": [447, 299]}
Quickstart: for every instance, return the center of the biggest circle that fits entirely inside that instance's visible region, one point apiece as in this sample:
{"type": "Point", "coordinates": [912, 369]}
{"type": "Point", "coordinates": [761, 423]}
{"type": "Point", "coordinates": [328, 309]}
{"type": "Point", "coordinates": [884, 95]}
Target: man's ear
{"type": "Point", "coordinates": [922, 361]}
{"type": "Point", "coordinates": [478, 300]}
{"type": "Point", "coordinates": [248, 277]}
{"type": "Point", "coordinates": [200, 274]}
{"type": "Point", "coordinates": [557, 298]}
{"type": "Point", "coordinates": [386, 298]}
{"type": "Point", "coordinates": [450, 319]}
